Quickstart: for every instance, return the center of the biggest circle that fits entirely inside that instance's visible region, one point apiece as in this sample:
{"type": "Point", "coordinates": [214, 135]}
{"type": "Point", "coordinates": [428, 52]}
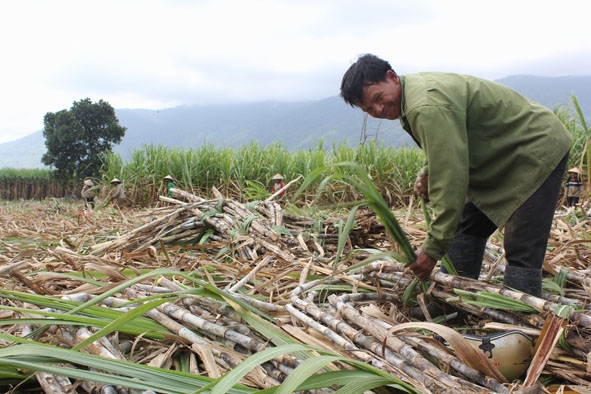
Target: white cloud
{"type": "Point", "coordinates": [158, 54]}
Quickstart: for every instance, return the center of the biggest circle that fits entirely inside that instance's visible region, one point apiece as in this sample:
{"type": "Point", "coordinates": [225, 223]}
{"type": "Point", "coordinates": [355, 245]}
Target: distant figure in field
{"type": "Point", "coordinates": [88, 193]}
{"type": "Point", "coordinates": [573, 187]}
{"type": "Point", "coordinates": [169, 184]}
{"type": "Point", "coordinates": [277, 184]}
{"type": "Point", "coordinates": [117, 194]}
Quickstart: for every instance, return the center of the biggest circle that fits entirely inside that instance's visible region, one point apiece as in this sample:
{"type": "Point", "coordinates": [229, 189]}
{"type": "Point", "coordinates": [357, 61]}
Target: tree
{"type": "Point", "coordinates": [77, 138]}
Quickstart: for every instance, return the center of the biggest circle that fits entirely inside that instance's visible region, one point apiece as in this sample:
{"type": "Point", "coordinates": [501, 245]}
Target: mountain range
{"type": "Point", "coordinates": [296, 125]}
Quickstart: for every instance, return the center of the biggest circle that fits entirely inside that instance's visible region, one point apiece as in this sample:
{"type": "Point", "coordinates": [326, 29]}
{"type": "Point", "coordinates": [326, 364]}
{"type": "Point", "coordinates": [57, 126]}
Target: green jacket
{"type": "Point", "coordinates": [483, 141]}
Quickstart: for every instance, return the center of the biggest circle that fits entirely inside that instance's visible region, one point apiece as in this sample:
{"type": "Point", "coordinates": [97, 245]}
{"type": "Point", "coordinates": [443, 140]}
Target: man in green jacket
{"type": "Point", "coordinates": [495, 159]}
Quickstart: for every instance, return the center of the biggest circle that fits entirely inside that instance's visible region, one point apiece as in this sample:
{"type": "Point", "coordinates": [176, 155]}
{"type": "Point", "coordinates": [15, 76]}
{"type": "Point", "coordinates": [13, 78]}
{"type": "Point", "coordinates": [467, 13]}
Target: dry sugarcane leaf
{"type": "Point", "coordinates": [496, 326]}
{"type": "Point", "coordinates": [9, 269]}
{"type": "Point", "coordinates": [164, 359]}
{"type": "Point", "coordinates": [208, 360]}
{"type": "Point", "coordinates": [464, 350]}
{"type": "Point", "coordinates": [109, 271]}
{"type": "Point", "coordinates": [549, 336]}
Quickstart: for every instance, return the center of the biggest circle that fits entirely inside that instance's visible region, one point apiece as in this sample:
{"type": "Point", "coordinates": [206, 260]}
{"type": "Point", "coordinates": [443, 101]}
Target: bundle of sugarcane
{"type": "Point", "coordinates": [226, 226]}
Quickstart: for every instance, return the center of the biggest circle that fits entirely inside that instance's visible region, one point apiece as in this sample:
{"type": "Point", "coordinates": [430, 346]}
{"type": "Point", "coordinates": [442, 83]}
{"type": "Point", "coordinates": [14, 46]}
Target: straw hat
{"type": "Point", "coordinates": [575, 170]}
{"type": "Point", "coordinates": [168, 177]}
{"type": "Point", "coordinates": [115, 180]}
{"type": "Point", "coordinates": [88, 182]}
{"type": "Point", "coordinates": [277, 177]}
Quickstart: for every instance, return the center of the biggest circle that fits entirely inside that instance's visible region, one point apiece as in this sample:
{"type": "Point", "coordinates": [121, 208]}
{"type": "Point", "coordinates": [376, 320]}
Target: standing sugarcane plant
{"type": "Point", "coordinates": [586, 153]}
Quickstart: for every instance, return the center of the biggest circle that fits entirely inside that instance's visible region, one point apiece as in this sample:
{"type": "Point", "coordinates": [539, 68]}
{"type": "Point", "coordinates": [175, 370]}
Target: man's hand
{"type": "Point", "coordinates": [421, 187]}
{"type": "Point", "coordinates": [423, 265]}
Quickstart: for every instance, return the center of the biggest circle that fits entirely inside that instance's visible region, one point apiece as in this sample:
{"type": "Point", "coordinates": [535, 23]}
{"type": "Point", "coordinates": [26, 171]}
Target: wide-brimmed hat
{"type": "Point", "coordinates": [115, 180]}
{"type": "Point", "coordinates": [168, 177]}
{"type": "Point", "coordinates": [277, 177]}
{"type": "Point", "coordinates": [575, 170]}
{"type": "Point", "coordinates": [88, 182]}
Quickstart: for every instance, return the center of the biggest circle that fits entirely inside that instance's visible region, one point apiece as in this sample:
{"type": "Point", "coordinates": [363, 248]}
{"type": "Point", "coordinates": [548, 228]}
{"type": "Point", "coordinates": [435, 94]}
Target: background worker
{"type": "Point", "coordinates": [169, 184]}
{"type": "Point", "coordinates": [117, 194]}
{"type": "Point", "coordinates": [573, 187]}
{"type": "Point", "coordinates": [88, 193]}
{"type": "Point", "coordinates": [479, 138]}
{"type": "Point", "coordinates": [277, 184]}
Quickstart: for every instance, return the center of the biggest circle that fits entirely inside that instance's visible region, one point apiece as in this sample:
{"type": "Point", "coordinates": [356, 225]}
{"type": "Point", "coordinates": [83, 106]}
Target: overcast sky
{"type": "Point", "coordinates": [158, 54]}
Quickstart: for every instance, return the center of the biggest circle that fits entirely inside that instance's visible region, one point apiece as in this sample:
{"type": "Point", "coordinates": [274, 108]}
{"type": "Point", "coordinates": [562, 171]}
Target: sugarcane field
{"type": "Point", "coordinates": [211, 291]}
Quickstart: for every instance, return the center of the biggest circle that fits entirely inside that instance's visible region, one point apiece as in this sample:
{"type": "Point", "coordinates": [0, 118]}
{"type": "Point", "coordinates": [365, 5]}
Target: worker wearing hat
{"type": "Point", "coordinates": [278, 184]}
{"type": "Point", "coordinates": [117, 194]}
{"type": "Point", "coordinates": [573, 187]}
{"type": "Point", "coordinates": [169, 184]}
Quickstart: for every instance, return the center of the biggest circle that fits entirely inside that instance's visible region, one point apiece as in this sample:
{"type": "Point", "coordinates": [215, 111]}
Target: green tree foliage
{"type": "Point", "coordinates": [77, 138]}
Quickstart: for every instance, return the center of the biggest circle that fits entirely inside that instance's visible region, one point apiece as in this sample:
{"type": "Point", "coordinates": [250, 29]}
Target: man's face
{"type": "Point", "coordinates": [382, 100]}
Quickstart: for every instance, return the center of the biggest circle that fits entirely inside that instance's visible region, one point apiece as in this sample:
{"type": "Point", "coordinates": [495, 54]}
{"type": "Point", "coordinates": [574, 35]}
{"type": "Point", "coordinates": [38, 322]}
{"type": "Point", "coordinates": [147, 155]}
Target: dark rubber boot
{"type": "Point", "coordinates": [527, 280]}
{"type": "Point", "coordinates": [466, 254]}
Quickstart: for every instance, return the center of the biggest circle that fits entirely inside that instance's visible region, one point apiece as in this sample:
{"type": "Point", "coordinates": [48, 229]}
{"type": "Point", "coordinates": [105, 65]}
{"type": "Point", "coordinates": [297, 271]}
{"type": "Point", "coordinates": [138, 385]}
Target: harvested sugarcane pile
{"type": "Point", "coordinates": [207, 286]}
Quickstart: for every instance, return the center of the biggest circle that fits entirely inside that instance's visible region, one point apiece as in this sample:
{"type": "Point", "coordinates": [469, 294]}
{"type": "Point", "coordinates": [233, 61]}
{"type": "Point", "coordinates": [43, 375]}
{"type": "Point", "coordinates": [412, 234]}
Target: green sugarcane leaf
{"type": "Point", "coordinates": [303, 371]}
{"type": "Point", "coordinates": [120, 322]}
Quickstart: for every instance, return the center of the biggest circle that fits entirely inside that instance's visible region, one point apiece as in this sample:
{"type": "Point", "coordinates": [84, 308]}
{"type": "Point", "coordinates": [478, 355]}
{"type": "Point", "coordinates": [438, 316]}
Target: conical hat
{"type": "Point", "coordinates": [168, 177]}
{"type": "Point", "coordinates": [575, 170]}
{"type": "Point", "coordinates": [115, 180]}
{"type": "Point", "coordinates": [88, 182]}
{"type": "Point", "coordinates": [277, 177]}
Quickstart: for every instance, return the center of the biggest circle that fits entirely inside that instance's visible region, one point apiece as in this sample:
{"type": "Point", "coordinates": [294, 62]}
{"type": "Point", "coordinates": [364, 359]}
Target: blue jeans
{"type": "Point", "coordinates": [527, 230]}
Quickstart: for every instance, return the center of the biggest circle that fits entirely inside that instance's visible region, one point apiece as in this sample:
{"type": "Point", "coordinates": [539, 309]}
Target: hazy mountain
{"type": "Point", "coordinates": [297, 125]}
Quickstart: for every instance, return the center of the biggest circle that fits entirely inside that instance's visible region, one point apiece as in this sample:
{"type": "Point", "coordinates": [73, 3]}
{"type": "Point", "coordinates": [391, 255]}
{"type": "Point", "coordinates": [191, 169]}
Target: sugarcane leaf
{"type": "Point", "coordinates": [344, 236]}
{"type": "Point", "coordinates": [364, 184]}
{"type": "Point", "coordinates": [119, 288]}
{"type": "Point", "coordinates": [426, 214]}
{"type": "Point", "coordinates": [266, 329]}
{"type": "Point", "coordinates": [553, 285]}
{"type": "Point", "coordinates": [137, 326]}
{"type": "Point", "coordinates": [446, 262]}
{"type": "Point", "coordinates": [29, 355]}
{"type": "Point", "coordinates": [120, 322]}
{"type": "Point", "coordinates": [564, 311]}
{"type": "Point", "coordinates": [370, 382]}
{"type": "Point", "coordinates": [303, 371]}
{"type": "Point", "coordinates": [312, 176]}
{"type": "Point", "coordinates": [496, 301]}
{"type": "Point", "coordinates": [224, 383]}
{"type": "Point", "coordinates": [409, 295]}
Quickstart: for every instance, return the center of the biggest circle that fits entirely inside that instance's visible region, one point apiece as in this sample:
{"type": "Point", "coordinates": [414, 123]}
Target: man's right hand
{"type": "Point", "coordinates": [421, 188]}
{"type": "Point", "coordinates": [423, 265]}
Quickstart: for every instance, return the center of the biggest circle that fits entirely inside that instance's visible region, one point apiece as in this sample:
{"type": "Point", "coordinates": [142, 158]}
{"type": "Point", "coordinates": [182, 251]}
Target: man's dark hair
{"type": "Point", "coordinates": [367, 70]}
